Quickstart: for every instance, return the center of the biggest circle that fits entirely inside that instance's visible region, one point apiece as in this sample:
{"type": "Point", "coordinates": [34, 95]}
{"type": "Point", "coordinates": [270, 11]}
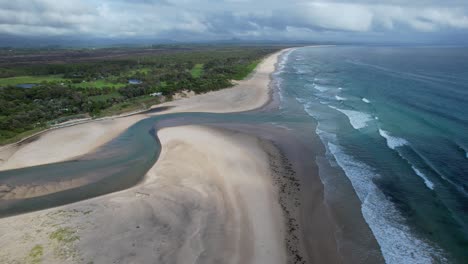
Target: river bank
{"type": "Point", "coordinates": [69, 142]}
{"type": "Point", "coordinates": [170, 210]}
{"type": "Point", "coordinates": [230, 188]}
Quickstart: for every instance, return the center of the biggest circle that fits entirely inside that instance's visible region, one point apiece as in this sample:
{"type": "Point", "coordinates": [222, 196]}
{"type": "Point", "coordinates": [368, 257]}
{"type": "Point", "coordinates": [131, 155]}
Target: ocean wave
{"type": "Point", "coordinates": [464, 149]}
{"type": "Point", "coordinates": [320, 88]}
{"type": "Point", "coordinates": [278, 81]}
{"type": "Point", "coordinates": [300, 70]}
{"type": "Point", "coordinates": [307, 108]}
{"type": "Point", "coordinates": [392, 142]}
{"type": "Point", "coordinates": [428, 183]}
{"type": "Point", "coordinates": [339, 98]}
{"type": "Point", "coordinates": [301, 100]}
{"type": "Point", "coordinates": [365, 100]}
{"type": "Point", "coordinates": [395, 142]}
{"type": "Point", "coordinates": [357, 119]}
{"type": "Point", "coordinates": [397, 243]}
{"type": "Point", "coordinates": [282, 61]}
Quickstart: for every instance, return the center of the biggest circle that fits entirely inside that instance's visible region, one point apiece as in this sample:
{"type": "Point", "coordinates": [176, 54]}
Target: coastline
{"type": "Point", "coordinates": [213, 206]}
{"type": "Point", "coordinates": [232, 191]}
{"type": "Point", "coordinates": [65, 143]}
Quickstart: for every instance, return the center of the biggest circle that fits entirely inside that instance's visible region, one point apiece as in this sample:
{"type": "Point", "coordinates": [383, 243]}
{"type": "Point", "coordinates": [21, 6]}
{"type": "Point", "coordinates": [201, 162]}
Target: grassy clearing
{"type": "Point", "coordinates": [244, 70]}
{"type": "Point", "coordinates": [30, 79]}
{"type": "Point", "coordinates": [99, 84]}
{"type": "Point", "coordinates": [197, 70]}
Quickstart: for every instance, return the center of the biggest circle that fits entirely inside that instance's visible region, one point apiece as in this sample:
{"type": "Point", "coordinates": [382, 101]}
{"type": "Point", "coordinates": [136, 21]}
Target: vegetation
{"type": "Point", "coordinates": [243, 71]}
{"type": "Point", "coordinates": [197, 70]}
{"type": "Point", "coordinates": [30, 79]}
{"type": "Point", "coordinates": [65, 235]}
{"type": "Point", "coordinates": [96, 82]}
{"type": "Point", "coordinates": [35, 255]}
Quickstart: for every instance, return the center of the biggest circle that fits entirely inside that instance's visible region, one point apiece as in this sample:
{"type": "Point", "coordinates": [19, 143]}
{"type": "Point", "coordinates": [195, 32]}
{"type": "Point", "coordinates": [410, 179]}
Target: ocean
{"type": "Point", "coordinates": [394, 123]}
{"type": "Point", "coordinates": [386, 129]}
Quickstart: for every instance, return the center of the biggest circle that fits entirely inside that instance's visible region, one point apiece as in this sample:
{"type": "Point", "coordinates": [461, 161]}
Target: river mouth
{"type": "Point", "coordinates": [123, 162]}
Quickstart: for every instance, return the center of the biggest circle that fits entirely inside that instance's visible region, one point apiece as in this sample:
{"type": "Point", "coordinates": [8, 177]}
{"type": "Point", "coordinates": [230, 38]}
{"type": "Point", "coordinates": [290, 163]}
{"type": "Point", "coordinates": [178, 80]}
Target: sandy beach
{"type": "Point", "coordinates": [214, 206]}
{"type": "Point", "coordinates": [70, 142]}
{"type": "Point", "coordinates": [198, 204]}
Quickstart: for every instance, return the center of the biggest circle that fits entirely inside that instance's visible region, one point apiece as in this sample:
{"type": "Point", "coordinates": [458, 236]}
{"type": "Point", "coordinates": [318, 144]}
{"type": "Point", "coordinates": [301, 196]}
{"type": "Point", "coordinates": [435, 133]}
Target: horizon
{"type": "Point", "coordinates": [39, 23]}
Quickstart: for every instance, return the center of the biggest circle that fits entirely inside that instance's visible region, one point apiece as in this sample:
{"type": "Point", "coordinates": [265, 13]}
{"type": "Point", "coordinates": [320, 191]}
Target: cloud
{"type": "Point", "coordinates": [211, 19]}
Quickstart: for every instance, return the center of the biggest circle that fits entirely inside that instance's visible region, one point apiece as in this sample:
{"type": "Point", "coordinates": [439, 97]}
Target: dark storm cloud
{"type": "Point", "coordinates": [210, 19]}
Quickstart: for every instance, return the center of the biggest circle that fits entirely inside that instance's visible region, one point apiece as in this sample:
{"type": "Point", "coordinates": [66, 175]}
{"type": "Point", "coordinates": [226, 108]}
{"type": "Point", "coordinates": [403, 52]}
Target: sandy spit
{"type": "Point", "coordinates": [198, 204]}
{"type": "Point", "coordinates": [73, 141]}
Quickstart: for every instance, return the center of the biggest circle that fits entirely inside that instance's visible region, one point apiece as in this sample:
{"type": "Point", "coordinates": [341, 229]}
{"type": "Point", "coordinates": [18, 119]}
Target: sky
{"type": "Point", "coordinates": [206, 20]}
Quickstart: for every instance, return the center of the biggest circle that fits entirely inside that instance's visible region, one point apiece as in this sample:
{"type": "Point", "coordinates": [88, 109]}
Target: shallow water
{"type": "Point", "coordinates": [363, 118]}
{"type": "Point", "coordinates": [395, 120]}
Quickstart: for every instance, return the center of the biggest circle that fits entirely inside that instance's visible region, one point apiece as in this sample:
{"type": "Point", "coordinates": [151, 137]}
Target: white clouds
{"type": "Point", "coordinates": [339, 16]}
{"type": "Point", "coordinates": [421, 18]}
{"type": "Point", "coordinates": [230, 18]}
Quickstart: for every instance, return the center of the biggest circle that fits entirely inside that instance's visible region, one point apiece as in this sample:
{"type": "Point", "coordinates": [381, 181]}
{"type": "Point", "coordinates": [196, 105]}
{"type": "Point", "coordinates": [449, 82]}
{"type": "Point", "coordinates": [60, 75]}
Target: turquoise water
{"type": "Point", "coordinates": [117, 165]}
{"type": "Point", "coordinates": [395, 121]}
{"type": "Point", "coordinates": [393, 126]}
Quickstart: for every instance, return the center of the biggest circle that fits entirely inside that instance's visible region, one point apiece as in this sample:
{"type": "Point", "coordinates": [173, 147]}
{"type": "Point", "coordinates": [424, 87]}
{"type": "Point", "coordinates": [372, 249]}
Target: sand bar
{"type": "Point", "coordinates": [198, 204]}
{"type": "Point", "coordinates": [69, 142]}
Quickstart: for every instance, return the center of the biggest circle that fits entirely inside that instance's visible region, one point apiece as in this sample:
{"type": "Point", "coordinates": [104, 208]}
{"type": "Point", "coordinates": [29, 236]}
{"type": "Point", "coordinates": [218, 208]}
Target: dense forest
{"type": "Point", "coordinates": [62, 86]}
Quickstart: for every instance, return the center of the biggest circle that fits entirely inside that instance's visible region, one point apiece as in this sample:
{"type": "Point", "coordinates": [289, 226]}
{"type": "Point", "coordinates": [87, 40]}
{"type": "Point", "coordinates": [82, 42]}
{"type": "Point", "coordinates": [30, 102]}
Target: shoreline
{"type": "Point", "coordinates": [248, 200]}
{"type": "Point", "coordinates": [232, 192]}
{"type": "Point", "coordinates": [78, 139]}
{"type": "Point", "coordinates": [260, 202]}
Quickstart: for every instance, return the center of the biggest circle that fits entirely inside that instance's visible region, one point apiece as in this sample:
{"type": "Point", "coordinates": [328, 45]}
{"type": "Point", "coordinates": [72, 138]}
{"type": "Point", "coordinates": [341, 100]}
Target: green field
{"type": "Point", "coordinates": [244, 71]}
{"type": "Point", "coordinates": [99, 84]}
{"type": "Point", "coordinates": [197, 70]}
{"type": "Point", "coordinates": [13, 81]}
{"type": "Point", "coordinates": [76, 87]}
{"type": "Point", "coordinates": [30, 79]}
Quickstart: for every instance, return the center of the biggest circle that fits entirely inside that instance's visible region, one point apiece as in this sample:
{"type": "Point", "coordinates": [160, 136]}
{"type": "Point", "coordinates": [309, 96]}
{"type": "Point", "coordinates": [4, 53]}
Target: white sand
{"type": "Point", "coordinates": [208, 199]}
{"type": "Point", "coordinates": [69, 142]}
{"type": "Point", "coordinates": [198, 204]}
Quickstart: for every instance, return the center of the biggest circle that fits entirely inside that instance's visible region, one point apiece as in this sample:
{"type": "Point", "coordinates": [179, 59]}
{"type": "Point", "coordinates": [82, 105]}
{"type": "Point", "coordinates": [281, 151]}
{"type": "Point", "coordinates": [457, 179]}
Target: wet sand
{"type": "Point", "coordinates": [199, 203]}
{"type": "Point", "coordinates": [73, 141]}
{"type": "Point", "coordinates": [224, 193]}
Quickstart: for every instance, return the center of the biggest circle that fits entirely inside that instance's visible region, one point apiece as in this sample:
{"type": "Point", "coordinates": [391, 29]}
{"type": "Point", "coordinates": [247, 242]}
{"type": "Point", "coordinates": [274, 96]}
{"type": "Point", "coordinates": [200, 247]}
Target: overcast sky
{"type": "Point", "coordinates": [194, 20]}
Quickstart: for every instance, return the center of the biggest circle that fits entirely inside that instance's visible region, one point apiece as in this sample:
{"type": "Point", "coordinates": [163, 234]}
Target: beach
{"type": "Point", "coordinates": [198, 203]}
{"type": "Point", "coordinates": [73, 141]}
{"type": "Point", "coordinates": [212, 206]}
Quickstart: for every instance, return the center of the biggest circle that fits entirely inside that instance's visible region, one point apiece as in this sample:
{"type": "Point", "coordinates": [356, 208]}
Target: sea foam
{"type": "Point", "coordinates": [428, 183]}
{"type": "Point", "coordinates": [339, 98]}
{"type": "Point", "coordinates": [365, 100]}
{"type": "Point", "coordinates": [397, 243]}
{"type": "Point", "coordinates": [278, 81]}
{"type": "Point", "coordinates": [320, 88]}
{"type": "Point", "coordinates": [357, 119]}
{"type": "Point", "coordinates": [393, 142]}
